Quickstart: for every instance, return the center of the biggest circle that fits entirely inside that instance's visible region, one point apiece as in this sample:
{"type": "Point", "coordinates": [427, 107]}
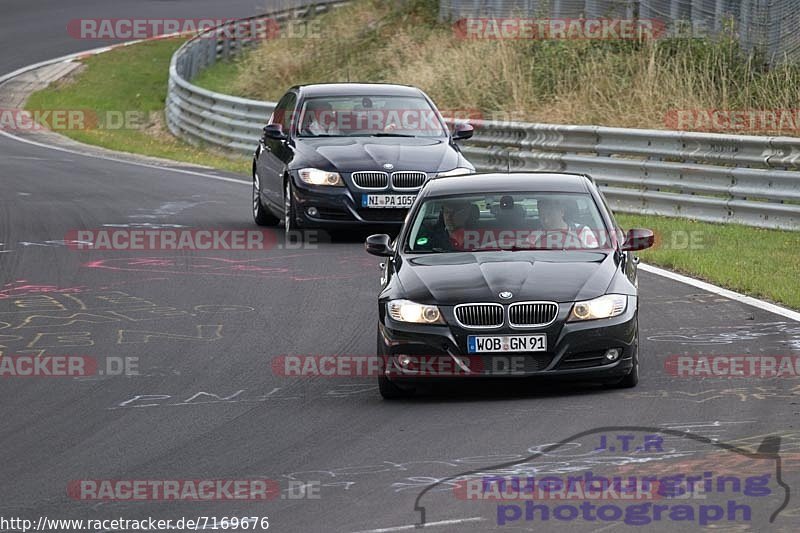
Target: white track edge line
{"type": "Point", "coordinates": [715, 289]}
{"type": "Point", "coordinates": [86, 53]}
{"type": "Point", "coordinates": [242, 181]}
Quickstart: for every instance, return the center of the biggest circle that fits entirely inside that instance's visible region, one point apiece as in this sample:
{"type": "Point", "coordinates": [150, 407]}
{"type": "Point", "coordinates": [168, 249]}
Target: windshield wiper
{"type": "Point", "coordinates": [505, 249]}
{"type": "Point", "coordinates": [436, 251]}
{"type": "Point", "coordinates": [391, 135]}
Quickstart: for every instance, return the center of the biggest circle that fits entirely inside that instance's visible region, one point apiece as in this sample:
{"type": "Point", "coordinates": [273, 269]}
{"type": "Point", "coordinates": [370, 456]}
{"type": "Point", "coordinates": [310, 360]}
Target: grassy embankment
{"type": "Point", "coordinates": [129, 79]}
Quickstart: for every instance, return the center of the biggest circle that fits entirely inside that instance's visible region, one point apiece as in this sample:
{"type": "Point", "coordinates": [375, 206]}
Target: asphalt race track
{"type": "Point", "coordinates": [204, 327]}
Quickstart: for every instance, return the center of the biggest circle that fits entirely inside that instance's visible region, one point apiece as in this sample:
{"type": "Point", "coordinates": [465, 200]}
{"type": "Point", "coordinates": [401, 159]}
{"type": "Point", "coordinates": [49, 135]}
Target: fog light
{"type": "Point", "coordinates": [404, 360]}
{"type": "Point", "coordinates": [613, 354]}
{"type": "Point", "coordinates": [312, 211]}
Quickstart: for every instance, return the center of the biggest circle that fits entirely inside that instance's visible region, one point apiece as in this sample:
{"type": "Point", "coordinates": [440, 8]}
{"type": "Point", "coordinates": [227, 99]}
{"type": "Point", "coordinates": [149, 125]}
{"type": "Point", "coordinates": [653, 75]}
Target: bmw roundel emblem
{"type": "Point", "coordinates": [505, 295]}
{"type": "Point", "coordinates": [388, 166]}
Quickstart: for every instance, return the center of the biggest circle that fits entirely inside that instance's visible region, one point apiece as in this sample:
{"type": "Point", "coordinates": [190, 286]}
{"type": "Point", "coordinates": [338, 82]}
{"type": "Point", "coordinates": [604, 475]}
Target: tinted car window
{"type": "Point", "coordinates": [350, 116]}
{"type": "Point", "coordinates": [529, 220]}
{"type": "Point", "coordinates": [284, 112]}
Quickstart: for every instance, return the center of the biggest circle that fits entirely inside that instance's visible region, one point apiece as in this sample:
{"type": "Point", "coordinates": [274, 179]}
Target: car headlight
{"type": "Point", "coordinates": [407, 311]}
{"type": "Point", "coordinates": [456, 172]}
{"type": "Point", "coordinates": [607, 306]}
{"type": "Point", "coordinates": [315, 176]}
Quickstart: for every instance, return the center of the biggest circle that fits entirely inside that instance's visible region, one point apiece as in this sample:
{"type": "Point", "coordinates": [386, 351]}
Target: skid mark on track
{"type": "Point", "coordinates": [720, 335]}
{"type": "Point", "coordinates": [279, 267]}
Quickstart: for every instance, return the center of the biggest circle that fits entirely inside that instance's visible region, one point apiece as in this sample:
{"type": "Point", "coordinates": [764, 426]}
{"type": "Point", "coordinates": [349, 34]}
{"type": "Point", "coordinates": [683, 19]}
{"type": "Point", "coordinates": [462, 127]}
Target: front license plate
{"type": "Point", "coordinates": [507, 343]}
{"type": "Point", "coordinates": [388, 200]}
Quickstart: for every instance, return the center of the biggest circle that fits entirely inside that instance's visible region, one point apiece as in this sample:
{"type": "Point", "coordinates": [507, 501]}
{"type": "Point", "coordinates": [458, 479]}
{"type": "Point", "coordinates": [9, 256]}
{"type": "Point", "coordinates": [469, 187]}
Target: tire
{"type": "Point", "coordinates": [390, 391]}
{"type": "Point", "coordinates": [291, 227]}
{"type": "Point", "coordinates": [261, 215]}
{"type": "Point", "coordinates": [631, 379]}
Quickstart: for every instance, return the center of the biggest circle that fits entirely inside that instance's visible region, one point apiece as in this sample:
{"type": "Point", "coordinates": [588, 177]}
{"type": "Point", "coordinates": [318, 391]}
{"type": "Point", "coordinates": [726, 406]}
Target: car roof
{"type": "Point", "coordinates": [357, 89]}
{"type": "Point", "coordinates": [508, 182]}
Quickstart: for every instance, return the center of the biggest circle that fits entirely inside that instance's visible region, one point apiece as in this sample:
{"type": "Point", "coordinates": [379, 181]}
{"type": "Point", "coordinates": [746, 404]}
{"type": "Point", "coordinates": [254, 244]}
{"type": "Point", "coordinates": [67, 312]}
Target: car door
{"type": "Point", "coordinates": [276, 154]}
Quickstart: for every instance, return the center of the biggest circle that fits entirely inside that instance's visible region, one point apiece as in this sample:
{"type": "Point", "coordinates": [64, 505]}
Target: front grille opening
{"type": "Point", "coordinates": [480, 315]}
{"type": "Point", "coordinates": [371, 180]}
{"type": "Point", "coordinates": [332, 213]}
{"type": "Point", "coordinates": [583, 360]}
{"type": "Point", "coordinates": [532, 314]}
{"type": "Point", "coordinates": [408, 180]}
{"type": "Point", "coordinates": [515, 364]}
{"type": "Point", "coordinates": [383, 215]}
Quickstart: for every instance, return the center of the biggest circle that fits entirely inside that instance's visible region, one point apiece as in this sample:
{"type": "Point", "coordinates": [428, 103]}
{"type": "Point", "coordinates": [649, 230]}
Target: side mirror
{"type": "Point", "coordinates": [638, 239]}
{"type": "Point", "coordinates": [274, 131]}
{"type": "Point", "coordinates": [379, 245]}
{"type": "Point", "coordinates": [463, 131]}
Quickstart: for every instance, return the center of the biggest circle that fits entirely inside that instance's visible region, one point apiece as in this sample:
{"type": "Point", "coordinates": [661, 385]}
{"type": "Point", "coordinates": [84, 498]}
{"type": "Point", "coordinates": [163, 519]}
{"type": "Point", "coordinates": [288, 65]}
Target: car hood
{"type": "Point", "coordinates": [351, 154]}
{"type": "Point", "coordinates": [559, 276]}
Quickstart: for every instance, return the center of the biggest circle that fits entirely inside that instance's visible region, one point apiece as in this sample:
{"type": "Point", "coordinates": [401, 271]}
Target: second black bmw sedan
{"type": "Point", "coordinates": [519, 274]}
{"type": "Point", "coordinates": [341, 154]}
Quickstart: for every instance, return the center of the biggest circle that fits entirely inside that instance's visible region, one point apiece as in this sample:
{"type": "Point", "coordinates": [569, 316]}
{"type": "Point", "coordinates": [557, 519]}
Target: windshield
{"type": "Point", "coordinates": [502, 221]}
{"type": "Point", "coordinates": [358, 116]}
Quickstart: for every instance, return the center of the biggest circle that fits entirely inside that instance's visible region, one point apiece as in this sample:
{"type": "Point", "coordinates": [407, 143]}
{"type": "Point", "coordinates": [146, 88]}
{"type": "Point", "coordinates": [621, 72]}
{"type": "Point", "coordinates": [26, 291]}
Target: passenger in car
{"type": "Point", "coordinates": [556, 232]}
{"type": "Point", "coordinates": [320, 119]}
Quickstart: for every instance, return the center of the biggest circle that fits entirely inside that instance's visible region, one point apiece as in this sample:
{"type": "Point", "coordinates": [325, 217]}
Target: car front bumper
{"type": "Point", "coordinates": [575, 350]}
{"type": "Point", "coordinates": [341, 207]}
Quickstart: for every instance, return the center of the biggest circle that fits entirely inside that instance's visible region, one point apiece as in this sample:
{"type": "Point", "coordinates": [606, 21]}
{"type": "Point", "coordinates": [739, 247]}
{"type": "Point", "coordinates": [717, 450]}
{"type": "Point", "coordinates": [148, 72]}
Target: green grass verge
{"type": "Point", "coordinates": [759, 262]}
{"type": "Point", "coordinates": [131, 78]}
{"type": "Point", "coordinates": [218, 77]}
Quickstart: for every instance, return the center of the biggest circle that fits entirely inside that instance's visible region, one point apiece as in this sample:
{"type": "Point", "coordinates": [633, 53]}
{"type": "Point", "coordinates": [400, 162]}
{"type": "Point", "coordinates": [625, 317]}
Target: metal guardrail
{"type": "Point", "coordinates": [719, 178]}
{"type": "Point", "coordinates": [208, 118]}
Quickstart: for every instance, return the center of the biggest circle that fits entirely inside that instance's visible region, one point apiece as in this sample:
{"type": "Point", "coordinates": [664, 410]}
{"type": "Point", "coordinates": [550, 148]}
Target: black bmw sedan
{"type": "Point", "coordinates": [344, 154]}
{"type": "Point", "coordinates": [519, 274]}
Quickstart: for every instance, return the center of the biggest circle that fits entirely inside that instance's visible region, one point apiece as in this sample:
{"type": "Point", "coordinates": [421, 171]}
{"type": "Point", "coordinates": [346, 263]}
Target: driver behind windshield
{"type": "Point", "coordinates": [446, 234]}
{"type": "Point", "coordinates": [320, 118]}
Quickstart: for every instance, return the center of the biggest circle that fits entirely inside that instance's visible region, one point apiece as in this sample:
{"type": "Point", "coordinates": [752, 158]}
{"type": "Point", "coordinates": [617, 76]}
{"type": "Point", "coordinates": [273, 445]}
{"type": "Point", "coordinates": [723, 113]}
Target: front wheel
{"type": "Point", "coordinates": [631, 379]}
{"type": "Point", "coordinates": [390, 391]}
{"type": "Point", "coordinates": [290, 211]}
{"type": "Point", "coordinates": [261, 215]}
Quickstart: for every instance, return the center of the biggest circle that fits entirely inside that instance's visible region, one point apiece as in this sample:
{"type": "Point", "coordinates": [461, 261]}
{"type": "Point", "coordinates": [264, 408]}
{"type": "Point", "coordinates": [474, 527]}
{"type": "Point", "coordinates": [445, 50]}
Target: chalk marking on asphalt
{"type": "Point", "coordinates": [714, 289]}
{"type": "Point", "coordinates": [426, 525]}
